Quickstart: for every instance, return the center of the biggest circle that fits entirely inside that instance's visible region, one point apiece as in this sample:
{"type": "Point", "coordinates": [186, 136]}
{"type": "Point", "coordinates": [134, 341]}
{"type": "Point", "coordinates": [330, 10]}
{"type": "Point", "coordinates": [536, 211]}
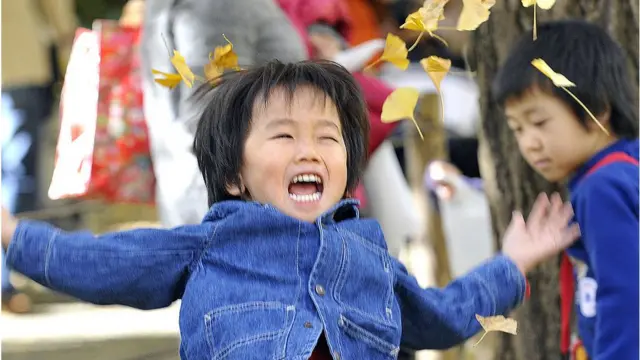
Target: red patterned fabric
{"type": "Point", "coordinates": [103, 147]}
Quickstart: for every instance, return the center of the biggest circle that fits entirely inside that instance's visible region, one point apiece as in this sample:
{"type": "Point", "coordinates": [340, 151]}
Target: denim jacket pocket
{"type": "Point", "coordinates": [365, 279]}
{"type": "Point", "coordinates": [362, 335]}
{"type": "Point", "coordinates": [241, 331]}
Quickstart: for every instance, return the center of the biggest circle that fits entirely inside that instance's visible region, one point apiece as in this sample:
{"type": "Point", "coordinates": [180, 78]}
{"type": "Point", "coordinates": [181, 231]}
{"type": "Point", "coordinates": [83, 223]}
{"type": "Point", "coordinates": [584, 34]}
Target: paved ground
{"type": "Point", "coordinates": [80, 331]}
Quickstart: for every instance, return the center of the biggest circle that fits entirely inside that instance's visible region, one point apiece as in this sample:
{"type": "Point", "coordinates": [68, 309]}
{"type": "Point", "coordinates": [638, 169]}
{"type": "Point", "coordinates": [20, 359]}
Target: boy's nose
{"type": "Point", "coordinates": [307, 151]}
{"type": "Point", "coordinates": [529, 142]}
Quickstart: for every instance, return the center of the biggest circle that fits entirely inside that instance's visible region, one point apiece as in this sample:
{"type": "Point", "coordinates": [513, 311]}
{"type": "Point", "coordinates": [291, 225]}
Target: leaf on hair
{"type": "Point", "coordinates": [562, 82]}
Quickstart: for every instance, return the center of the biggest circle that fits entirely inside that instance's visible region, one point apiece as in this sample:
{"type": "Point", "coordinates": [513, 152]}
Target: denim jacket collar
{"type": "Point", "coordinates": [343, 210]}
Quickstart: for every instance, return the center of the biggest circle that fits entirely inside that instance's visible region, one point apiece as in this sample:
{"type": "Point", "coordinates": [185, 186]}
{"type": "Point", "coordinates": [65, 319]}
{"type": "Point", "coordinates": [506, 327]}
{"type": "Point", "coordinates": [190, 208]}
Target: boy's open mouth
{"type": "Point", "coordinates": [306, 188]}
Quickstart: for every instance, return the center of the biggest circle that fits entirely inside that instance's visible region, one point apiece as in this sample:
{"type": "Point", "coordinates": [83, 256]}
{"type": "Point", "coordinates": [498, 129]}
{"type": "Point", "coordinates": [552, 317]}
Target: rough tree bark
{"type": "Point", "coordinates": [511, 184]}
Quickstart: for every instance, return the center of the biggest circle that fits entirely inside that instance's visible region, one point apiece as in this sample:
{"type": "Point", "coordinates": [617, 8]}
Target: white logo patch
{"type": "Point", "coordinates": [587, 288]}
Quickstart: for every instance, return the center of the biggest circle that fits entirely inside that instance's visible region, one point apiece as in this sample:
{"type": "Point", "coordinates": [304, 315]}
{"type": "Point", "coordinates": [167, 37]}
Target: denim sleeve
{"type": "Point", "coordinates": [441, 318]}
{"type": "Point", "coordinates": [144, 268]}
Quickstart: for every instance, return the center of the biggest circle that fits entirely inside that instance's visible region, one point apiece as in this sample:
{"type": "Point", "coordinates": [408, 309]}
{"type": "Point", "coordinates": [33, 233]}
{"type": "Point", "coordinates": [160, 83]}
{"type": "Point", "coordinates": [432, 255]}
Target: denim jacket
{"type": "Point", "coordinates": [257, 284]}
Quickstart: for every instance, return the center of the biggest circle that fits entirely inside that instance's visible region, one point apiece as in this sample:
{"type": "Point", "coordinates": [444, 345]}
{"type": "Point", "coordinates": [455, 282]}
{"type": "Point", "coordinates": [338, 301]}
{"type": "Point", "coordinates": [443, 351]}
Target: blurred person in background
{"type": "Point", "coordinates": [36, 40]}
{"type": "Point", "coordinates": [259, 31]}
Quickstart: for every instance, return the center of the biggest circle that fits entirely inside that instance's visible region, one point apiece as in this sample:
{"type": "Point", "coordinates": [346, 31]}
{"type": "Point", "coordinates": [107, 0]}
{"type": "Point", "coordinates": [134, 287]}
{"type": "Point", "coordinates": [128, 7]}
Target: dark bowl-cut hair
{"type": "Point", "coordinates": [587, 56]}
{"type": "Point", "coordinates": [227, 113]}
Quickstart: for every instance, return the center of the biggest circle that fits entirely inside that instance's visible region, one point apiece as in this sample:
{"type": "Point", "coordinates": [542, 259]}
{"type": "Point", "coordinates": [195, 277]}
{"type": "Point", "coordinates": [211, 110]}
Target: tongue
{"type": "Point", "coordinates": [303, 188]}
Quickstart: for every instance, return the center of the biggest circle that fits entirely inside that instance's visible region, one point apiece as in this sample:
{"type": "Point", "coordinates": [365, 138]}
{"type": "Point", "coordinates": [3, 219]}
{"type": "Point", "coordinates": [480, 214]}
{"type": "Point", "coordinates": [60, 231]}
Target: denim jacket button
{"type": "Point", "coordinates": [336, 355]}
{"type": "Point", "coordinates": [308, 325]}
{"type": "Point", "coordinates": [320, 290]}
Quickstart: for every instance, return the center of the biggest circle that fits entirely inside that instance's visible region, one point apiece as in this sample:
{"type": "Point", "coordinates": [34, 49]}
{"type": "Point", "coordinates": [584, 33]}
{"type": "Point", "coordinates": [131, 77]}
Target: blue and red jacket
{"type": "Point", "coordinates": [604, 195]}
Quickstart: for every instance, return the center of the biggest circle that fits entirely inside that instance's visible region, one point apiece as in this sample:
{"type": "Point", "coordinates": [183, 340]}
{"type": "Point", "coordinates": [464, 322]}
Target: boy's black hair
{"type": "Point", "coordinates": [225, 121]}
{"type": "Point", "coordinates": [588, 57]}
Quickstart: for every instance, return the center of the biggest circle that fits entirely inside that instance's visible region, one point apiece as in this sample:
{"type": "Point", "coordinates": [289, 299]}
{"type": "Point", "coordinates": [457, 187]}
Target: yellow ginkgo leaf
{"type": "Point", "coordinates": [400, 105]}
{"type": "Point", "coordinates": [497, 323]}
{"type": "Point", "coordinates": [425, 18]}
{"type": "Point", "coordinates": [474, 13]}
{"type": "Point", "coordinates": [437, 68]}
{"type": "Point", "coordinates": [414, 22]}
{"type": "Point", "coordinates": [543, 4]}
{"type": "Point", "coordinates": [562, 82]}
{"type": "Point", "coordinates": [167, 79]}
{"type": "Point", "coordinates": [395, 52]}
{"type": "Point", "coordinates": [224, 57]}
{"type": "Point", "coordinates": [211, 71]}
{"type": "Point", "coordinates": [183, 69]}
{"type": "Point", "coordinates": [557, 79]}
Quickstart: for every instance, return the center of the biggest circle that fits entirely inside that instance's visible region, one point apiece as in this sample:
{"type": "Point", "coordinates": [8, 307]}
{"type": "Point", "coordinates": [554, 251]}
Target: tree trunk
{"type": "Point", "coordinates": [510, 182]}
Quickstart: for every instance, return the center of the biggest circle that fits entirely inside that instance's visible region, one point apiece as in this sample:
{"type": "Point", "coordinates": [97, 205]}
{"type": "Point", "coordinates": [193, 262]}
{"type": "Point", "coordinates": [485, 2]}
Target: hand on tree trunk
{"type": "Point", "coordinates": [545, 234]}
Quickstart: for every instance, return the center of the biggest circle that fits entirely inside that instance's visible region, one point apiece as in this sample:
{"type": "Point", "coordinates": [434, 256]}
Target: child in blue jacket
{"type": "Point", "coordinates": [282, 267]}
{"type": "Point", "coordinates": [561, 142]}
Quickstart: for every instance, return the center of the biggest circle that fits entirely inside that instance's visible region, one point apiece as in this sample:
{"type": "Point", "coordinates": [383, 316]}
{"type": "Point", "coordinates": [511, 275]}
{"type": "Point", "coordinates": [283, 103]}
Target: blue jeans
{"type": "Point", "coordinates": [24, 111]}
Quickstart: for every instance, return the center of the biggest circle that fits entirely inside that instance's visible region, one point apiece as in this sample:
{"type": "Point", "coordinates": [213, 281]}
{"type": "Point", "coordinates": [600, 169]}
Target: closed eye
{"type": "Point", "coordinates": [540, 123]}
{"type": "Point", "coordinates": [516, 129]}
{"type": "Point", "coordinates": [329, 138]}
{"type": "Point", "coordinates": [283, 136]}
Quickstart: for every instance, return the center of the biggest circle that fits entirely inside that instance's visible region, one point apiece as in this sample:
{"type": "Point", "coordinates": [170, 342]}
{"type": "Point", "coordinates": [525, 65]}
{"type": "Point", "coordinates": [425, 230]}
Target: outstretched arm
{"type": "Point", "coordinates": [144, 268]}
{"type": "Point", "coordinates": [442, 318]}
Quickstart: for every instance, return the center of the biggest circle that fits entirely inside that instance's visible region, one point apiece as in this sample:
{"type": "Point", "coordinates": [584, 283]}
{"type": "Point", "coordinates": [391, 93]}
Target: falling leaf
{"type": "Point", "coordinates": [474, 13]}
{"type": "Point", "coordinates": [183, 69]}
{"type": "Point", "coordinates": [427, 17]}
{"type": "Point", "coordinates": [167, 79]}
{"type": "Point", "coordinates": [497, 323]}
{"type": "Point", "coordinates": [437, 68]}
{"type": "Point", "coordinates": [395, 51]}
{"type": "Point", "coordinates": [400, 105]}
{"type": "Point", "coordinates": [557, 79]}
{"type": "Point", "coordinates": [224, 57]}
{"type": "Point", "coordinates": [211, 71]}
{"type": "Point", "coordinates": [562, 82]}
{"type": "Point", "coordinates": [542, 4]}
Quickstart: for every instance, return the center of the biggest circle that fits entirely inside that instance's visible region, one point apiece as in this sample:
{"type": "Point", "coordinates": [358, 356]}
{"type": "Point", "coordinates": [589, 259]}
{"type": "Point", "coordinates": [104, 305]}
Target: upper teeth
{"type": "Point", "coordinates": [307, 178]}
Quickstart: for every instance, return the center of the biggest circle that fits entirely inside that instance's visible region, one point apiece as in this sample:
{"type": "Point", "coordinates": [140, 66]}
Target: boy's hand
{"type": "Point", "coordinates": [545, 234]}
{"type": "Point", "coordinates": [9, 224]}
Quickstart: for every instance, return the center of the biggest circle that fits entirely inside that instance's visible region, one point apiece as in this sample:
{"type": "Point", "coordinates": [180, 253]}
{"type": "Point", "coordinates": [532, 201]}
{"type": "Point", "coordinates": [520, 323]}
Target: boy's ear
{"type": "Point", "coordinates": [604, 118]}
{"type": "Point", "coordinates": [236, 190]}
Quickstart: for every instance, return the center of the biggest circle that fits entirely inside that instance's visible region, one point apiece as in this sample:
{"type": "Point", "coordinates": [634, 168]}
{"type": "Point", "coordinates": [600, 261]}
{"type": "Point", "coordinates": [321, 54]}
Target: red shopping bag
{"type": "Point", "coordinates": [103, 147]}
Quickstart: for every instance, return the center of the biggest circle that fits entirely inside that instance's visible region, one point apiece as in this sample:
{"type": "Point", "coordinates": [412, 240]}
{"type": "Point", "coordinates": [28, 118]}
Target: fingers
{"type": "Point", "coordinates": [538, 213]}
{"type": "Point", "coordinates": [518, 218]}
{"type": "Point", "coordinates": [517, 222]}
{"type": "Point", "coordinates": [570, 235]}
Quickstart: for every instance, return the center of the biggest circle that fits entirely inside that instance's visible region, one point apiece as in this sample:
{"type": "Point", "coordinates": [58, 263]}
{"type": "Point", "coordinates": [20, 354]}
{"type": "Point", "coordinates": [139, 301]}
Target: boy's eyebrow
{"type": "Point", "coordinates": [280, 122]}
{"type": "Point", "coordinates": [288, 121]}
{"type": "Point", "coordinates": [328, 123]}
